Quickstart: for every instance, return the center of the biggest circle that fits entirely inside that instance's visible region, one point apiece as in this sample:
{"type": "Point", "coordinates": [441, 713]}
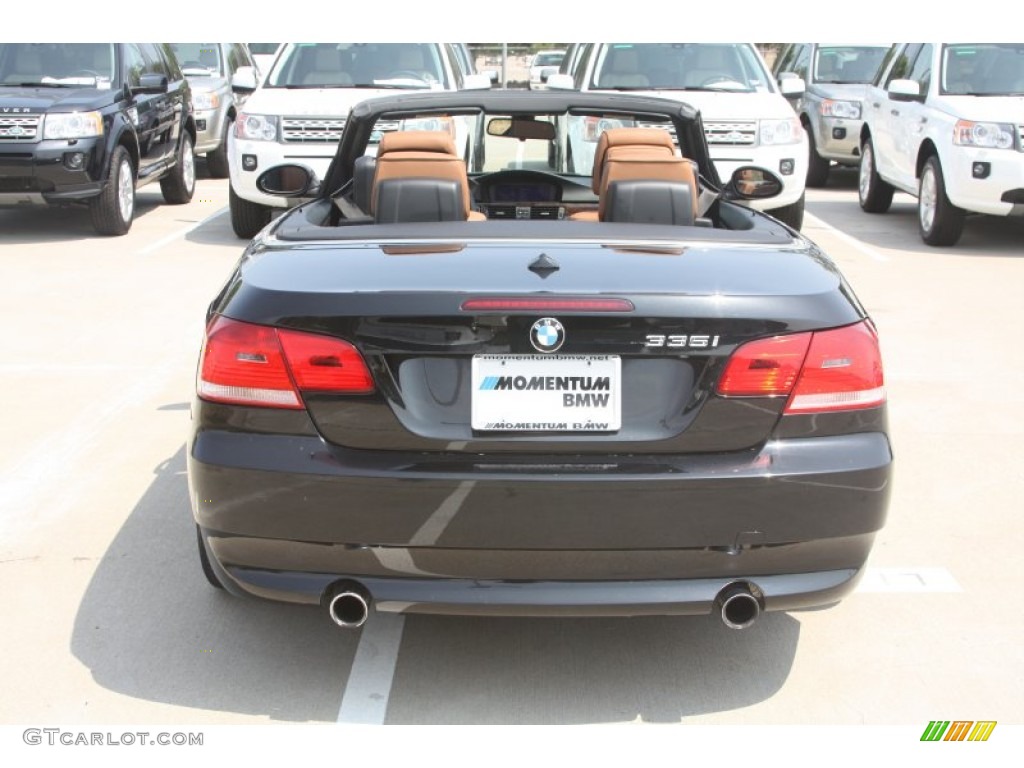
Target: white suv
{"type": "Point", "coordinates": [943, 122]}
{"type": "Point", "coordinates": [747, 120]}
{"type": "Point", "coordinates": [298, 112]}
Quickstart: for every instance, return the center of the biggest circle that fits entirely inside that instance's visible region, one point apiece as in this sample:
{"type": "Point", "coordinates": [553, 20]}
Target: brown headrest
{"type": "Point", "coordinates": [417, 141]}
{"type": "Point", "coordinates": [641, 164]}
{"type": "Point", "coordinates": [619, 137]}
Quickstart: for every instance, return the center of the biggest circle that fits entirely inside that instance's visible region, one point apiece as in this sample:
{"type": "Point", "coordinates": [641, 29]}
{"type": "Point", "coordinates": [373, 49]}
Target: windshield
{"type": "Point", "coordinates": [680, 67]}
{"type": "Point", "coordinates": [548, 59]}
{"type": "Point", "coordinates": [201, 59]}
{"type": "Point", "coordinates": [847, 63]}
{"type": "Point", "coordinates": [983, 69]}
{"type": "Point", "coordinates": [57, 64]}
{"type": "Point", "coordinates": [263, 49]}
{"type": "Point", "coordinates": [359, 65]}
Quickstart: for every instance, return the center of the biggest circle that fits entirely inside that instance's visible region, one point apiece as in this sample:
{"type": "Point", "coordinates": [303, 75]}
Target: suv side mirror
{"type": "Point", "coordinates": [244, 80]}
{"type": "Point", "coordinates": [904, 90]}
{"type": "Point", "coordinates": [151, 83]}
{"type": "Point", "coordinates": [247, 68]}
{"type": "Point", "coordinates": [561, 82]}
{"type": "Point", "coordinates": [478, 82]}
{"type": "Point", "coordinates": [792, 86]}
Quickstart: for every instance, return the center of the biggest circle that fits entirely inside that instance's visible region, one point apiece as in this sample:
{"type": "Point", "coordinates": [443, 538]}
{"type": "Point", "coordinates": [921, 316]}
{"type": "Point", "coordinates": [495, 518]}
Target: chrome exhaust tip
{"type": "Point", "coordinates": [348, 605]}
{"type": "Point", "coordinates": [739, 604]}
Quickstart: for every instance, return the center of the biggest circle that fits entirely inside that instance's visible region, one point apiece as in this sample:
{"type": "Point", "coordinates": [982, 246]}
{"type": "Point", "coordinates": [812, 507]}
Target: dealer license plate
{"type": "Point", "coordinates": [547, 393]}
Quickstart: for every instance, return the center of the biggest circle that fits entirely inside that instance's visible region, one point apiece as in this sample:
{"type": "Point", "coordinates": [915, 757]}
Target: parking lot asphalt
{"type": "Point", "coordinates": [108, 618]}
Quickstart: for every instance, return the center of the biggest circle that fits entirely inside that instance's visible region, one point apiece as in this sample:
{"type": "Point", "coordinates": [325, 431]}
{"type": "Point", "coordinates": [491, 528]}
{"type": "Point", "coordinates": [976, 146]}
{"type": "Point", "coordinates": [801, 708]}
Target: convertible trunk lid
{"type": "Point", "coordinates": [450, 334]}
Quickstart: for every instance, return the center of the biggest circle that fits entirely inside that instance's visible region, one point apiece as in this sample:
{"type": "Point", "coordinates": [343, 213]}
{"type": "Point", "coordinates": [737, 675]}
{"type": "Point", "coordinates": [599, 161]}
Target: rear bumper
{"type": "Point", "coordinates": [285, 516]}
{"type": "Point", "coordinates": [474, 597]}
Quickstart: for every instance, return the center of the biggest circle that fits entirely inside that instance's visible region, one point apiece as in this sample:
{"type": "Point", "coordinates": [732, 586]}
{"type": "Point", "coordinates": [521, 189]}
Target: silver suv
{"type": "Point", "coordinates": [209, 68]}
{"type": "Point", "coordinates": [836, 77]}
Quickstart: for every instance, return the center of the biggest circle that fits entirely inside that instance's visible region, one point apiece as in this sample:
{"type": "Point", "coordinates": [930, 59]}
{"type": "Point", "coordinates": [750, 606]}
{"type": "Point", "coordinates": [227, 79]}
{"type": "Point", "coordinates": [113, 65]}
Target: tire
{"type": "Point", "coordinates": [247, 219]}
{"type": "Point", "coordinates": [204, 561]}
{"type": "Point", "coordinates": [874, 194]}
{"type": "Point", "coordinates": [792, 214]}
{"type": "Point", "coordinates": [179, 185]}
{"type": "Point", "coordinates": [113, 209]}
{"type": "Point", "coordinates": [217, 160]}
{"type": "Point", "coordinates": [817, 166]}
{"type": "Point", "coordinates": [941, 223]}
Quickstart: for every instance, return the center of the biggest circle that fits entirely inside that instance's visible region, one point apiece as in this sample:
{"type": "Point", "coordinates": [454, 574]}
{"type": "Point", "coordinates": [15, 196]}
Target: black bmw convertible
{"type": "Point", "coordinates": [463, 375]}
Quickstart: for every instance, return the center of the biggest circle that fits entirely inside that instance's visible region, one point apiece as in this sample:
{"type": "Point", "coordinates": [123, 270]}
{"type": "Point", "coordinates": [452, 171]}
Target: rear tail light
{"type": "Point", "coordinates": [766, 367]}
{"type": "Point", "coordinates": [835, 370]}
{"type": "Point", "coordinates": [843, 371]}
{"type": "Point", "coordinates": [248, 364]}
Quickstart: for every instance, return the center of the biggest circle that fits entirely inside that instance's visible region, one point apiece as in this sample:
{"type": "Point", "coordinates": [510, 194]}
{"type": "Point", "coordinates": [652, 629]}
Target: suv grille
{"type": "Point", "coordinates": [664, 126]}
{"type": "Point", "coordinates": [736, 133]}
{"type": "Point", "coordinates": [306, 130]}
{"type": "Point", "coordinates": [20, 128]}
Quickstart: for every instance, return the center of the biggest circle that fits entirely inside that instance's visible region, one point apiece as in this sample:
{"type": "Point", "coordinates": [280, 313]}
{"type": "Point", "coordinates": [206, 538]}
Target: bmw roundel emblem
{"type": "Point", "coordinates": [547, 335]}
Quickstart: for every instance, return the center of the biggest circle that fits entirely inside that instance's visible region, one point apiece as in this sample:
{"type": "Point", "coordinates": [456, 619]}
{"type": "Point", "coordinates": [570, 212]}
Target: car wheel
{"type": "Point", "coordinates": [179, 185]}
{"type": "Point", "coordinates": [941, 222]}
{"type": "Point", "coordinates": [113, 209]}
{"type": "Point", "coordinates": [792, 214]}
{"type": "Point", "coordinates": [217, 159]}
{"type": "Point", "coordinates": [875, 195]}
{"type": "Point", "coordinates": [204, 561]}
{"type": "Point", "coordinates": [817, 166]}
{"type": "Point", "coordinates": [247, 218]}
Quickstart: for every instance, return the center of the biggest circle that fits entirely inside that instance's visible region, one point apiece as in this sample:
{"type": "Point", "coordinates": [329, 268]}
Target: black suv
{"type": "Point", "coordinates": [88, 123]}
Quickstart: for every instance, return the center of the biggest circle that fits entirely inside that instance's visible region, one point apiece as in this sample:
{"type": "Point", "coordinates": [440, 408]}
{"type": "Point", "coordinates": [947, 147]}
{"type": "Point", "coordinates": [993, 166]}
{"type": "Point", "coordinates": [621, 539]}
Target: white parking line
{"type": "Point", "coordinates": [434, 526]}
{"type": "Point", "coordinates": [908, 580]}
{"type": "Point", "coordinates": [180, 233]}
{"type": "Point", "coordinates": [366, 695]}
{"type": "Point", "coordinates": [365, 701]}
{"type": "Point", "coordinates": [852, 241]}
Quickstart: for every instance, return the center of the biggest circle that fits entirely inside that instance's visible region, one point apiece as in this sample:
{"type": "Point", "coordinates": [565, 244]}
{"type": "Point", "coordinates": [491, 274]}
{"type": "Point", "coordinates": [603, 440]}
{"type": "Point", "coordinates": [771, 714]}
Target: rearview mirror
{"type": "Point", "coordinates": [521, 128]}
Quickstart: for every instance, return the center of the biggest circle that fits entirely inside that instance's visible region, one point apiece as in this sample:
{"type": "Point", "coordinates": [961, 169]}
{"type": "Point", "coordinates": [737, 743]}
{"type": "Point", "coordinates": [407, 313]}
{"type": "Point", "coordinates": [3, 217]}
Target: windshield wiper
{"type": "Point", "coordinates": [38, 84]}
{"type": "Point", "coordinates": [988, 93]}
{"type": "Point", "coordinates": [716, 89]}
{"type": "Point", "coordinates": [406, 86]}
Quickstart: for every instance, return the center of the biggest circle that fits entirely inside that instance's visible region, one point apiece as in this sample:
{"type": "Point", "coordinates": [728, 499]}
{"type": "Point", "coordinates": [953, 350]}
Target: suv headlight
{"type": "Point", "coordinates": [72, 125]}
{"type": "Point", "coordinates": [787, 131]}
{"type": "Point", "coordinates": [837, 108]}
{"type": "Point", "coordinates": [994, 135]}
{"type": "Point", "coordinates": [445, 124]}
{"type": "Point", "coordinates": [205, 100]}
{"type": "Point", "coordinates": [256, 127]}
